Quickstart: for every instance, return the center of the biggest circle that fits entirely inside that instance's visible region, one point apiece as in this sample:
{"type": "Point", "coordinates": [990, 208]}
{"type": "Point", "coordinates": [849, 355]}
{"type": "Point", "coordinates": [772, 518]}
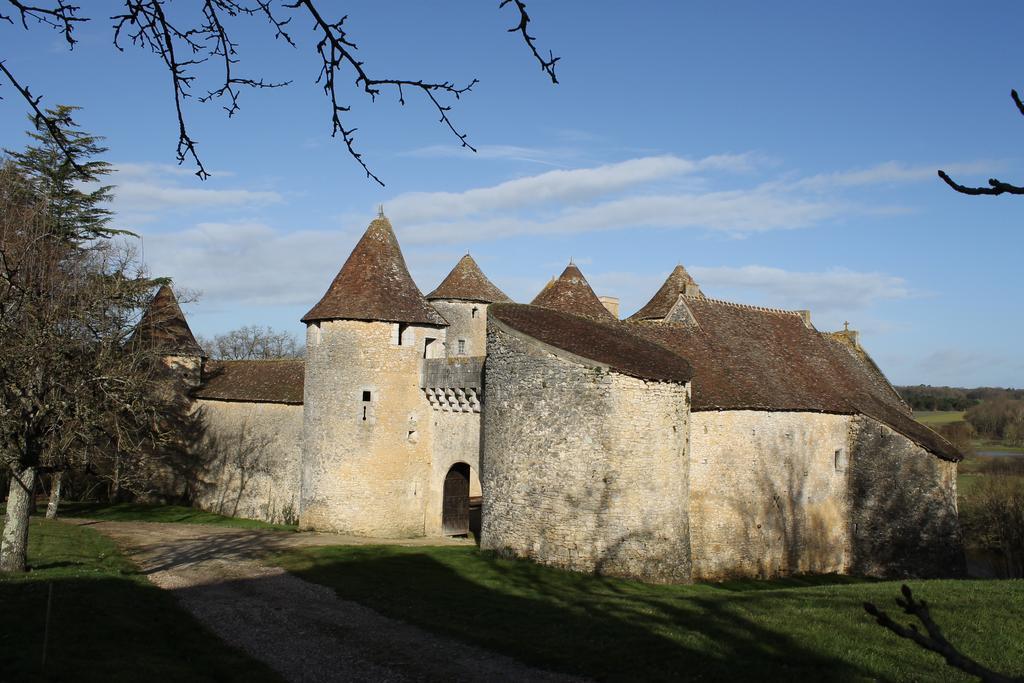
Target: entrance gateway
{"type": "Point", "coordinates": [455, 508]}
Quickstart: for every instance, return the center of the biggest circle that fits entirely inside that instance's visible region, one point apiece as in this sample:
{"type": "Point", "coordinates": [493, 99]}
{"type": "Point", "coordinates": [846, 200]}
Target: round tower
{"type": "Point", "coordinates": [164, 330]}
{"type": "Point", "coordinates": [367, 427]}
{"type": "Point", "coordinates": [462, 298]}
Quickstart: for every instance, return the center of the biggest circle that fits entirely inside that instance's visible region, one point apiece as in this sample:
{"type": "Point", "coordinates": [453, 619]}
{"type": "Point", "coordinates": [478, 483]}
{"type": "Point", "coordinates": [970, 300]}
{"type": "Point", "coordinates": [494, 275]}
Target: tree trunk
{"type": "Point", "coordinates": [55, 481]}
{"type": "Point", "coordinates": [15, 539]}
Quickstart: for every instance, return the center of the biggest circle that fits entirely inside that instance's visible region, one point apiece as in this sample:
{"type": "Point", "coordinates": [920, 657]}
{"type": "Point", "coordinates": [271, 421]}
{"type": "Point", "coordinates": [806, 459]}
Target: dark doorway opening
{"type": "Point", "coordinates": [455, 508]}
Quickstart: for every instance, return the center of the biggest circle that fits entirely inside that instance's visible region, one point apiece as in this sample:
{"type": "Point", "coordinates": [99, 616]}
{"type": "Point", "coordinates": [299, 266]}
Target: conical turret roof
{"type": "Point", "coordinates": [374, 284]}
{"type": "Point", "coordinates": [468, 282]}
{"type": "Point", "coordinates": [666, 297]}
{"type": "Point", "coordinates": [163, 326]}
{"type": "Point", "coordinates": [571, 293]}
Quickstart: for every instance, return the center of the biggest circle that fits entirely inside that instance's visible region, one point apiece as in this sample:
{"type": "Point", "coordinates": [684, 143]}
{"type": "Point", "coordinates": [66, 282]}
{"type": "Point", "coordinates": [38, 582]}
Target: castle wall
{"type": "Point", "coordinates": [467, 320]}
{"type": "Point", "coordinates": [582, 468]}
{"type": "Point", "coordinates": [366, 476]}
{"type": "Point", "coordinates": [456, 439]}
{"type": "Point", "coordinates": [249, 455]}
{"type": "Point", "coordinates": [766, 497]}
{"type": "Point", "coordinates": [904, 513]}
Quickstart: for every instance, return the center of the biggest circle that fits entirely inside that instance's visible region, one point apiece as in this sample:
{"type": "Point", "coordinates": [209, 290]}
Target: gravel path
{"type": "Point", "coordinates": [300, 629]}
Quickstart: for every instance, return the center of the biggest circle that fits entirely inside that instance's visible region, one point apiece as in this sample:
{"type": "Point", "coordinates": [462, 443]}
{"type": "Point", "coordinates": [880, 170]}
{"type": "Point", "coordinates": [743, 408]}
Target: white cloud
{"type": "Point", "coordinates": [548, 156]}
{"type": "Point", "coordinates": [574, 185]}
{"type": "Point", "coordinates": [829, 291]}
{"type": "Point", "coordinates": [888, 173]}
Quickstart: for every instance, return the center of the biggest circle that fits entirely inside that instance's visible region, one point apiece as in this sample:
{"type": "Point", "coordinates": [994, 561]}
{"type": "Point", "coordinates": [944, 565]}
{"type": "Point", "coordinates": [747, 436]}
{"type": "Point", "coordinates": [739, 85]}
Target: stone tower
{"type": "Point", "coordinates": [571, 293]}
{"type": "Point", "coordinates": [462, 298]}
{"type": "Point", "coordinates": [367, 430]}
{"type": "Point", "coordinates": [163, 328]}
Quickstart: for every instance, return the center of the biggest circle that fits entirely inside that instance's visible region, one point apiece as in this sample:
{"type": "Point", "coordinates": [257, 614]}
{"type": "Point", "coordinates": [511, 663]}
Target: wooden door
{"type": "Point", "coordinates": [455, 509]}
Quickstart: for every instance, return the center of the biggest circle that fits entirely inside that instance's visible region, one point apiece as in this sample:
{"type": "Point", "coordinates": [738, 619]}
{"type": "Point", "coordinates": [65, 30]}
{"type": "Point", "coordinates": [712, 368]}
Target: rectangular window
{"type": "Point", "coordinates": [840, 459]}
{"type": "Point", "coordinates": [402, 327]}
{"type": "Point", "coordinates": [366, 395]}
{"type": "Point", "coordinates": [462, 347]}
{"type": "Point", "coordinates": [427, 351]}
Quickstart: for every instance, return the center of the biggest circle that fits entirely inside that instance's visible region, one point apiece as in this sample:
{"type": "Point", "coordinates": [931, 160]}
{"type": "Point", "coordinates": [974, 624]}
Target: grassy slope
{"type": "Point", "coordinates": [936, 418]}
{"type": "Point", "coordinates": [107, 623]}
{"type": "Point", "coordinates": [619, 630]}
{"type": "Point", "coordinates": [137, 512]}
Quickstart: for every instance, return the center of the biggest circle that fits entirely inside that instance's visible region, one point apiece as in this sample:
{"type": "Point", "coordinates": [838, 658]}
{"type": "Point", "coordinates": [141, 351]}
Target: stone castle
{"type": "Point", "coordinates": [697, 439]}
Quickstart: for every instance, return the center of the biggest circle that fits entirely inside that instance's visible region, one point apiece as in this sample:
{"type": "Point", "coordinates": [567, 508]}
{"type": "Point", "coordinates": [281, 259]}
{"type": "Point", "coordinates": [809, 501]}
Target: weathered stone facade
{"type": "Point", "coordinates": [250, 456]}
{"type": "Point", "coordinates": [697, 440]}
{"type": "Point", "coordinates": [565, 482]}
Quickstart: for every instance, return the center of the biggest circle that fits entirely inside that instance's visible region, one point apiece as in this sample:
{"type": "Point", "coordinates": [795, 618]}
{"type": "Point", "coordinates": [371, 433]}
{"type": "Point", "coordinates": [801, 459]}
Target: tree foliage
{"type": "Point", "coordinates": [183, 39]}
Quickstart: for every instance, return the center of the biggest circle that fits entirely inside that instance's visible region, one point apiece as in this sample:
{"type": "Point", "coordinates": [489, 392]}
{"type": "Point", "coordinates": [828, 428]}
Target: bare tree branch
{"type": "Point", "coordinates": [996, 186]}
{"type": "Point", "coordinates": [934, 640]}
{"type": "Point", "coordinates": [183, 45]}
{"type": "Point", "coordinates": [548, 65]}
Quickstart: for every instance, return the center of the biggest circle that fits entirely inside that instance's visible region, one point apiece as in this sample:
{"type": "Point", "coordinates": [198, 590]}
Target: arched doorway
{"type": "Point", "coordinates": [455, 508]}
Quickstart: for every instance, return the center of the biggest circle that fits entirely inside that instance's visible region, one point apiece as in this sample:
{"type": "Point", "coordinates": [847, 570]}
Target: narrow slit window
{"type": "Point", "coordinates": [840, 459]}
{"type": "Point", "coordinates": [475, 309]}
{"type": "Point", "coordinates": [364, 413]}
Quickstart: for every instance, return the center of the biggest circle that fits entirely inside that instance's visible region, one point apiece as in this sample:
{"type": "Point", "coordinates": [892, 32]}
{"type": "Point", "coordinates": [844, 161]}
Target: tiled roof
{"type": "Point", "coordinates": [256, 381]}
{"type": "Point", "coordinates": [164, 328]}
{"type": "Point", "coordinates": [467, 282]}
{"type": "Point", "coordinates": [611, 343]}
{"type": "Point", "coordinates": [374, 284]}
{"type": "Point", "coordinates": [746, 357]}
{"type": "Point", "coordinates": [571, 293]}
{"type": "Point", "coordinates": [665, 298]}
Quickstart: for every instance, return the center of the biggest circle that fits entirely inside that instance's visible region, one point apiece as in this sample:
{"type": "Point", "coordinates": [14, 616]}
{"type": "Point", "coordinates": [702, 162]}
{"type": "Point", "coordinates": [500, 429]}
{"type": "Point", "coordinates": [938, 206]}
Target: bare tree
{"type": "Point", "coordinates": [182, 41]}
{"type": "Point", "coordinates": [252, 343]}
{"type": "Point", "coordinates": [71, 384]}
{"type": "Point", "coordinates": [995, 186]}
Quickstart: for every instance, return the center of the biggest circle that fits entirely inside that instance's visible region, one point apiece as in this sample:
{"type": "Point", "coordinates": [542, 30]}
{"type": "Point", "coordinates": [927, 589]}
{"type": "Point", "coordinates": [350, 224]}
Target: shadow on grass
{"type": "Point", "coordinates": [604, 628]}
{"type": "Point", "coordinates": [141, 512]}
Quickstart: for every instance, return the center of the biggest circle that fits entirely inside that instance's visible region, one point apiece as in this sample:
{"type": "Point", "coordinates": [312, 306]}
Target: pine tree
{"type": "Point", "coordinates": [62, 174]}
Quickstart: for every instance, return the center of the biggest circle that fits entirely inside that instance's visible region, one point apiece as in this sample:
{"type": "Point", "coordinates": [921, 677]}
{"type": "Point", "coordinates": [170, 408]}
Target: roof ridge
{"type": "Point", "coordinates": [765, 309]}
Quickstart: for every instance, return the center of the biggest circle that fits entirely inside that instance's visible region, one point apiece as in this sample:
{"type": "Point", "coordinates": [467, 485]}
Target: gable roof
{"type": "Point", "coordinates": [163, 326]}
{"type": "Point", "coordinates": [468, 282]}
{"type": "Point", "coordinates": [666, 297]}
{"type": "Point", "coordinates": [611, 343]}
{"type": "Point", "coordinates": [751, 358]}
{"type": "Point", "coordinates": [571, 293]}
{"type": "Point", "coordinates": [374, 284]}
{"type": "Point", "coordinates": [254, 381]}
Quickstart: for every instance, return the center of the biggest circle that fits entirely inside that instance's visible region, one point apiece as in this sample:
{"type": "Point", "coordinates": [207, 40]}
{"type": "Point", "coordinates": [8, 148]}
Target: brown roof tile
{"type": "Point", "coordinates": [257, 381]}
{"type": "Point", "coordinates": [374, 284]}
{"type": "Point", "coordinates": [612, 343]}
{"type": "Point", "coordinates": [571, 293]}
{"type": "Point", "coordinates": [163, 326]}
{"type": "Point", "coordinates": [468, 282]}
{"type": "Point", "coordinates": [746, 357]}
{"type": "Point", "coordinates": [665, 298]}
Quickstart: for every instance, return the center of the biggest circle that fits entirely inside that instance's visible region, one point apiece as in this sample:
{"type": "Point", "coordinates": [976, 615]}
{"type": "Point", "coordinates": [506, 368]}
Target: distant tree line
{"type": "Point", "coordinates": [925, 397]}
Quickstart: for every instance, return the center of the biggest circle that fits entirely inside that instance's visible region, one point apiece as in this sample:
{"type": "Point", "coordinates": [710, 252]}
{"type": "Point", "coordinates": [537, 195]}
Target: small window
{"type": "Point", "coordinates": [426, 347]}
{"type": "Point", "coordinates": [462, 347]}
{"type": "Point", "coordinates": [402, 327]}
{"type": "Point", "coordinates": [475, 309]}
{"type": "Point", "coordinates": [840, 459]}
{"type": "Point", "coordinates": [367, 395]}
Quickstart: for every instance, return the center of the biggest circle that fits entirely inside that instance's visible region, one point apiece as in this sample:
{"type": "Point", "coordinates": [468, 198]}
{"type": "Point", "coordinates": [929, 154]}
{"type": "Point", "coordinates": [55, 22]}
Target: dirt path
{"type": "Point", "coordinates": [302, 630]}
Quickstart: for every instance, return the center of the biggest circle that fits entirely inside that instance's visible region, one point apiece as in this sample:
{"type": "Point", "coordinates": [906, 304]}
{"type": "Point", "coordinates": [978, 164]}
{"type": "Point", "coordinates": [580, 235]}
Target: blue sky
{"type": "Point", "coordinates": [785, 153]}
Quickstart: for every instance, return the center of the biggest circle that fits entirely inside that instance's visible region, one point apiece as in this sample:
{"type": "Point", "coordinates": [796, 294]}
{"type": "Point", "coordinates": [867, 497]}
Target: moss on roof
{"type": "Point", "coordinates": [468, 282]}
{"type": "Point", "coordinates": [255, 381]}
{"type": "Point", "coordinates": [571, 293]}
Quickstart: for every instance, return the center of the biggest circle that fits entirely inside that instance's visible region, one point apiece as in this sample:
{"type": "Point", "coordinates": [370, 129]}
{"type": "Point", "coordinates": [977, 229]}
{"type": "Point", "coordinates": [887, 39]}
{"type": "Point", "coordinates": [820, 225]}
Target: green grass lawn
{"type": "Point", "coordinates": [936, 418]}
{"type": "Point", "coordinates": [108, 623]}
{"type": "Point", "coordinates": [137, 512]}
{"type": "Point", "coordinates": [800, 629]}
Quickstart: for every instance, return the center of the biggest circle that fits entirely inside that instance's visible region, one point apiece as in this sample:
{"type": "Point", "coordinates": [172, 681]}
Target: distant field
{"type": "Point", "coordinates": [934, 418]}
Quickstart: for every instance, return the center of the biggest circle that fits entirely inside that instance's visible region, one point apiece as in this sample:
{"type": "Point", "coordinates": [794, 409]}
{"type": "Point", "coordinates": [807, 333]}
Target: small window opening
{"type": "Point", "coordinates": [475, 309]}
{"type": "Point", "coordinates": [426, 346]}
{"type": "Point", "coordinates": [840, 459]}
{"type": "Point", "coordinates": [402, 327]}
{"type": "Point", "coordinates": [364, 413]}
{"type": "Point", "coordinates": [367, 396]}
{"type": "Point", "coordinates": [462, 347]}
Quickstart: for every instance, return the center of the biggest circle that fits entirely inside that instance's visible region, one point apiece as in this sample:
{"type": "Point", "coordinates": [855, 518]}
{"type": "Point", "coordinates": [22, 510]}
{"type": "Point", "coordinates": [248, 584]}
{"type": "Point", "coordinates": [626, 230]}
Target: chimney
{"type": "Point", "coordinates": [691, 289]}
{"type": "Point", "coordinates": [806, 315]}
{"type": "Point", "coordinates": [611, 303]}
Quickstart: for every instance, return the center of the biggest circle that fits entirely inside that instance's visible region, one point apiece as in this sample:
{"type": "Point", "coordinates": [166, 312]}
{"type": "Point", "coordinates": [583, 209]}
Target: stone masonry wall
{"type": "Point", "coordinates": [766, 497]}
{"type": "Point", "coordinates": [456, 439]}
{"type": "Point", "coordinates": [464, 324]}
{"type": "Point", "coordinates": [582, 468]}
{"type": "Point", "coordinates": [369, 476]}
{"type": "Point", "coordinates": [250, 456]}
{"type": "Point", "coordinates": [904, 512]}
